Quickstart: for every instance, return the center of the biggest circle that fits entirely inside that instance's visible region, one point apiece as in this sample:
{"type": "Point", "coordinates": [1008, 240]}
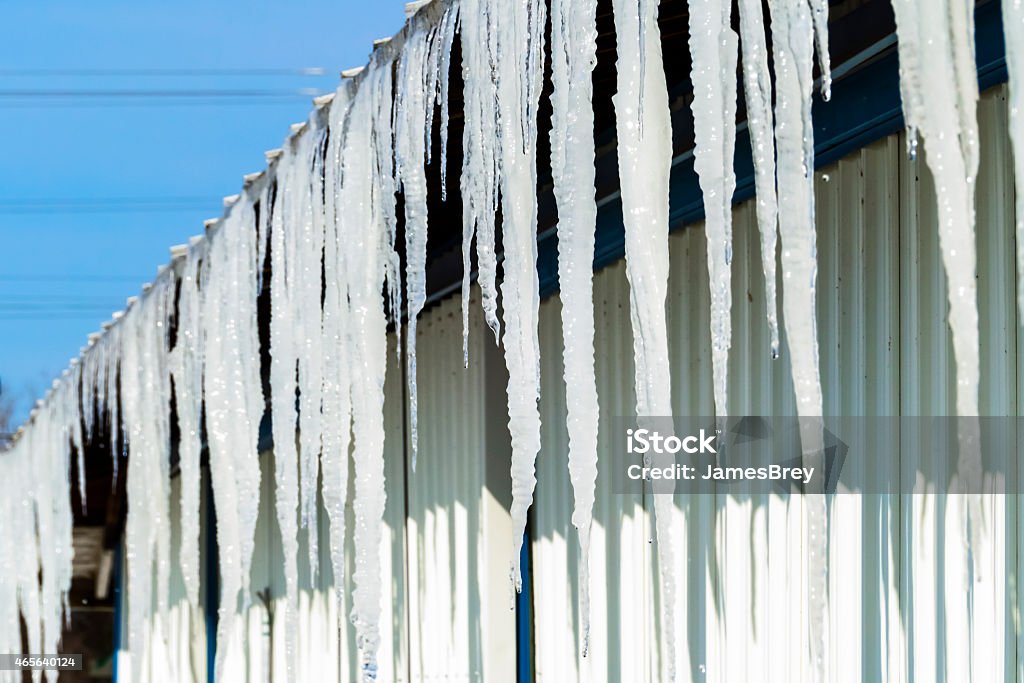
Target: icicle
{"type": "Point", "coordinates": [283, 359]}
{"type": "Point", "coordinates": [23, 526]}
{"type": "Point", "coordinates": [793, 45]}
{"type": "Point", "coordinates": [187, 371]}
{"type": "Point", "coordinates": [520, 42]}
{"type": "Point", "coordinates": [713, 47]}
{"type": "Point", "coordinates": [574, 54]}
{"type": "Point", "coordinates": [644, 162]}
{"type": "Point", "coordinates": [445, 39]}
{"type": "Point", "coordinates": [410, 150]}
{"type": "Point", "coordinates": [936, 40]}
{"type": "Point", "coordinates": [384, 193]}
{"type": "Point", "coordinates": [74, 419]}
{"type": "Point", "coordinates": [1013, 28]}
{"type": "Point", "coordinates": [234, 405]}
{"type": "Point", "coordinates": [758, 95]}
{"type": "Point", "coordinates": [819, 9]}
{"type": "Point", "coordinates": [306, 237]}
{"type": "Point", "coordinates": [146, 395]}
{"type": "Point", "coordinates": [337, 407]}
{"type": "Point", "coordinates": [363, 232]}
{"type": "Point", "coordinates": [932, 44]}
{"type": "Point", "coordinates": [480, 158]}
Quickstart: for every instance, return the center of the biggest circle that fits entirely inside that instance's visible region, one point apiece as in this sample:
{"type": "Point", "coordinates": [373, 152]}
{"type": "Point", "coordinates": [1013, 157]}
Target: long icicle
{"type": "Point", "coordinates": [411, 143]}
{"type": "Point", "coordinates": [337, 404]}
{"type": "Point", "coordinates": [282, 386]}
{"type": "Point", "coordinates": [713, 51]}
{"type": "Point", "coordinates": [645, 151]}
{"type": "Point", "coordinates": [364, 234]}
{"type": "Point", "coordinates": [187, 372]}
{"type": "Point", "coordinates": [936, 40]}
{"type": "Point", "coordinates": [519, 76]}
{"type": "Point", "coordinates": [303, 193]}
{"type": "Point", "coordinates": [793, 44]}
{"type": "Point", "coordinates": [573, 57]}
{"type": "Point", "coordinates": [480, 159]}
{"type": "Point", "coordinates": [757, 90]}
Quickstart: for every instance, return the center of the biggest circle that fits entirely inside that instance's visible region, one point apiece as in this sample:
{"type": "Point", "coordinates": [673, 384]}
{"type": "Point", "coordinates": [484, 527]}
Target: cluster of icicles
{"type": "Point", "coordinates": [322, 221]}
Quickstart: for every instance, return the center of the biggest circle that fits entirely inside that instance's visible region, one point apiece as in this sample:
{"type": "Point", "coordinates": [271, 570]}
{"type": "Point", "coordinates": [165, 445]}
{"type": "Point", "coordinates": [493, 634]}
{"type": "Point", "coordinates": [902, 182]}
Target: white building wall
{"type": "Point", "coordinates": [897, 606]}
{"type": "Point", "coordinates": [741, 613]}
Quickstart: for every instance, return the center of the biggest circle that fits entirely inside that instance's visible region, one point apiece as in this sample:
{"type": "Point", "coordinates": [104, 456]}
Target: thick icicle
{"type": "Point", "coordinates": [337, 407]}
{"type": "Point", "coordinates": [234, 405]}
{"type": "Point", "coordinates": [364, 234]}
{"type": "Point", "coordinates": [645, 149]}
{"type": "Point", "coordinates": [713, 46]}
{"type": "Point", "coordinates": [934, 42]}
{"type": "Point", "coordinates": [480, 157]}
{"type": "Point", "coordinates": [573, 56]}
{"type": "Point", "coordinates": [757, 89]}
{"type": "Point", "coordinates": [304, 231]}
{"type": "Point", "coordinates": [1013, 28]}
{"type": "Point", "coordinates": [145, 383]}
{"type": "Point", "coordinates": [187, 372]}
{"type": "Point", "coordinates": [520, 42]}
{"type": "Point", "coordinates": [283, 360]}
{"type": "Point", "coordinates": [412, 135]}
{"type": "Point", "coordinates": [793, 45]}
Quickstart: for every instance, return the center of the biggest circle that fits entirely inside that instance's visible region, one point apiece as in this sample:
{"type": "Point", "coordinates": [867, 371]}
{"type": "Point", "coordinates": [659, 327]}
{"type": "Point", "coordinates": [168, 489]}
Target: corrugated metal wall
{"type": "Point", "coordinates": [898, 601]}
{"type": "Point", "coordinates": [897, 612]}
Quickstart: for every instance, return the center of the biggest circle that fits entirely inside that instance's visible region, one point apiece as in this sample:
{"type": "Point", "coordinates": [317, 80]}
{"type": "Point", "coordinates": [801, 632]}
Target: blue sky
{"type": "Point", "coordinates": [96, 183]}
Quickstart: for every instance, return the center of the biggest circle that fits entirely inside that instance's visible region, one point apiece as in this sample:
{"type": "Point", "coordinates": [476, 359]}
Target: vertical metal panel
{"type": "Point", "coordinates": [444, 525]}
{"type": "Point", "coordinates": [898, 597]}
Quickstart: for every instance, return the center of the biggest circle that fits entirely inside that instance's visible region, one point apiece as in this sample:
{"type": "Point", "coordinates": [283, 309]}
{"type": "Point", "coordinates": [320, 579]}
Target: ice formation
{"type": "Point", "coordinates": [422, 79]}
{"type": "Point", "coordinates": [480, 158]}
{"type": "Point", "coordinates": [234, 404]}
{"type": "Point", "coordinates": [757, 90]}
{"type": "Point", "coordinates": [364, 233]}
{"type": "Point", "coordinates": [145, 385]}
{"type": "Point", "coordinates": [645, 156]}
{"type": "Point", "coordinates": [713, 46]}
{"type": "Point", "coordinates": [186, 365]}
{"type": "Point", "coordinates": [337, 406]}
{"type": "Point", "coordinates": [935, 42]}
{"type": "Point", "coordinates": [328, 225]}
{"type": "Point", "coordinates": [793, 29]}
{"type": "Point", "coordinates": [574, 55]}
{"type": "Point", "coordinates": [519, 75]}
{"type": "Point", "coordinates": [283, 362]}
{"type": "Point", "coordinates": [303, 204]}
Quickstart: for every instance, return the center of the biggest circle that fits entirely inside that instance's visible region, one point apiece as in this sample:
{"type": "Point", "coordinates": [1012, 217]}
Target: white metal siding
{"type": "Point", "coordinates": [897, 610]}
{"type": "Point", "coordinates": [741, 613]}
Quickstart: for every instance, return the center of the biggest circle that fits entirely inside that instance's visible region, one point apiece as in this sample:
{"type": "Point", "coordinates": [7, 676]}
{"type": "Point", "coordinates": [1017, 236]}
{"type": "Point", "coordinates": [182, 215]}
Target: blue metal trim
{"type": "Point", "coordinates": [865, 107]}
{"type": "Point", "coordinates": [524, 618]}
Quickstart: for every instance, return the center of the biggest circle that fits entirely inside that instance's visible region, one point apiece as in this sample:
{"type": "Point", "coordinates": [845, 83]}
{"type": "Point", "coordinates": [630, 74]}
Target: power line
{"type": "Point", "coordinates": [120, 93]}
{"type": "Point", "coordinates": [92, 205]}
{"type": "Point", "coordinates": [69, 277]}
{"type": "Point", "coordinates": [309, 71]}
